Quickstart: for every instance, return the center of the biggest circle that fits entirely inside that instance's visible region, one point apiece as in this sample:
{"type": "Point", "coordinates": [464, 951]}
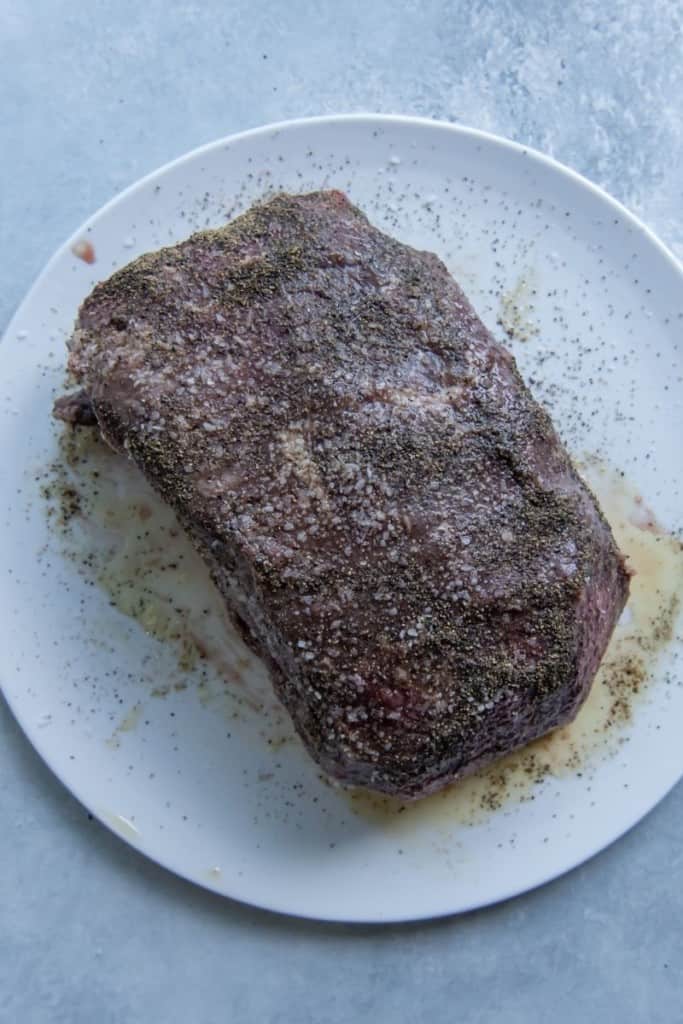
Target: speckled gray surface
{"type": "Point", "coordinates": [94, 96]}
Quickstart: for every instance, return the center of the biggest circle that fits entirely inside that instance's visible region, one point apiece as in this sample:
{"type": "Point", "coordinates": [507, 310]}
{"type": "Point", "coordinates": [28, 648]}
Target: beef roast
{"type": "Point", "coordinates": [387, 512]}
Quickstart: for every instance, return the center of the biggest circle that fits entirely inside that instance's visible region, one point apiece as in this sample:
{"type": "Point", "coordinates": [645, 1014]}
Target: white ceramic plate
{"type": "Point", "coordinates": [182, 763]}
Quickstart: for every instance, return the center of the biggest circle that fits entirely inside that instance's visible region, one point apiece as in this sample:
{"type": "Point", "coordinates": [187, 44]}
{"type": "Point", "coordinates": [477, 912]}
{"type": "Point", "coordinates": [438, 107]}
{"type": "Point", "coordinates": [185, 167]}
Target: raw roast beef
{"type": "Point", "coordinates": [389, 515]}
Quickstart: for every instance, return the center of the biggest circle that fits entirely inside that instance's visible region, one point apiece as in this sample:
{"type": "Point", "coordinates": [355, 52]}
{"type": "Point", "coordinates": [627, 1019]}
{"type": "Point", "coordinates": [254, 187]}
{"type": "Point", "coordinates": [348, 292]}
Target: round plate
{"type": "Point", "coordinates": [115, 657]}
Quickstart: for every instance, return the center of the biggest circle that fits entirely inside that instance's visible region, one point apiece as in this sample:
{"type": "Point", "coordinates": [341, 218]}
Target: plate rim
{"type": "Point", "coordinates": [414, 120]}
{"type": "Point", "coordinates": [374, 120]}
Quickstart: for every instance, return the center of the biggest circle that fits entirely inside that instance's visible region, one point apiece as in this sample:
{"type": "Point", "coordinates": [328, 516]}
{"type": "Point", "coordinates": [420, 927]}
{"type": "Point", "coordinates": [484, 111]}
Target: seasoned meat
{"type": "Point", "coordinates": [75, 409]}
{"type": "Point", "coordinates": [387, 512]}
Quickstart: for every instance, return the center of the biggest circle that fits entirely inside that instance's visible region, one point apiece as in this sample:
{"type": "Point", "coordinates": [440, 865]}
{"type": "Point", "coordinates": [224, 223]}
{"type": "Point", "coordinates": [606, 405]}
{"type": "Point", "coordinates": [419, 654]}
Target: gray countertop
{"type": "Point", "coordinates": [92, 97]}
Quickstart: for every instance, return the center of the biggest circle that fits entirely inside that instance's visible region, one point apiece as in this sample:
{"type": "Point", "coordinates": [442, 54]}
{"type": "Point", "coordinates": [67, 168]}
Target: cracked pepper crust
{"type": "Point", "coordinates": [389, 515]}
